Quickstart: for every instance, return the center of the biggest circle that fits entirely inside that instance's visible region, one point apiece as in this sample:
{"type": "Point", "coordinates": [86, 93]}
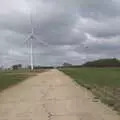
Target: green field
{"type": "Point", "coordinates": [12, 77]}
{"type": "Point", "coordinates": [103, 82]}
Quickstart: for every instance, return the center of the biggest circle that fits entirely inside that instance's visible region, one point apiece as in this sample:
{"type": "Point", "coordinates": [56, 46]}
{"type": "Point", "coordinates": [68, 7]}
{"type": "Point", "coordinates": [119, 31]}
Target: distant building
{"type": "Point", "coordinates": [67, 64]}
{"type": "Point", "coordinates": [17, 66]}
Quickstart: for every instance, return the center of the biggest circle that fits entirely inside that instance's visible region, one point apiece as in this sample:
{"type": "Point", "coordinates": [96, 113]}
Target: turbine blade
{"type": "Point", "coordinates": [41, 42]}
{"type": "Point", "coordinates": [27, 39]}
{"type": "Point", "coordinates": [31, 22]}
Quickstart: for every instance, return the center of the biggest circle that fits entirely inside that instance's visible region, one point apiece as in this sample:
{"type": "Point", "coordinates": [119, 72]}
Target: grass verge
{"type": "Point", "coordinates": [103, 82]}
{"type": "Point", "coordinates": [12, 77]}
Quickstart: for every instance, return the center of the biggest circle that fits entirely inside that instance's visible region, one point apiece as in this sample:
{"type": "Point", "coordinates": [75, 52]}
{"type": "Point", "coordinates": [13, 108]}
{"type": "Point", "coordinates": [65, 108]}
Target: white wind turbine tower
{"type": "Point", "coordinates": [31, 38]}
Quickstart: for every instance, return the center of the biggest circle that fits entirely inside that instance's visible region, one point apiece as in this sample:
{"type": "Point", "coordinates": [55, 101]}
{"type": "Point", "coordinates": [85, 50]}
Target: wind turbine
{"type": "Point", "coordinates": [31, 38]}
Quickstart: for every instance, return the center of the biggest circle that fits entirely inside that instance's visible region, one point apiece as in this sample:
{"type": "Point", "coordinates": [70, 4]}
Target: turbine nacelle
{"type": "Point", "coordinates": [32, 37]}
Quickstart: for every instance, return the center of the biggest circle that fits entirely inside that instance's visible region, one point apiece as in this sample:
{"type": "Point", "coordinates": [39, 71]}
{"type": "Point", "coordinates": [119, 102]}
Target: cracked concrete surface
{"type": "Point", "coordinates": [51, 96]}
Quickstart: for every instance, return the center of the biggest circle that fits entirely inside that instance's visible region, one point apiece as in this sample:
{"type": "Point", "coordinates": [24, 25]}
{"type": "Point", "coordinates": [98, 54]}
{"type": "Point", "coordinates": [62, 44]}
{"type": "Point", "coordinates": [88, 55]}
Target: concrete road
{"type": "Point", "coordinates": [51, 96]}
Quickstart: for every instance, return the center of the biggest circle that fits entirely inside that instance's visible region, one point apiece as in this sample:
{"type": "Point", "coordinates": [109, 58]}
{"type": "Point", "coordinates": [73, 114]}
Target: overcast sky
{"type": "Point", "coordinates": [68, 26]}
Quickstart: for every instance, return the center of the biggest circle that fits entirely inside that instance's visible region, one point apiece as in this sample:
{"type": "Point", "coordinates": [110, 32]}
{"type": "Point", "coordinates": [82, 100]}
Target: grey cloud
{"type": "Point", "coordinates": [63, 24]}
